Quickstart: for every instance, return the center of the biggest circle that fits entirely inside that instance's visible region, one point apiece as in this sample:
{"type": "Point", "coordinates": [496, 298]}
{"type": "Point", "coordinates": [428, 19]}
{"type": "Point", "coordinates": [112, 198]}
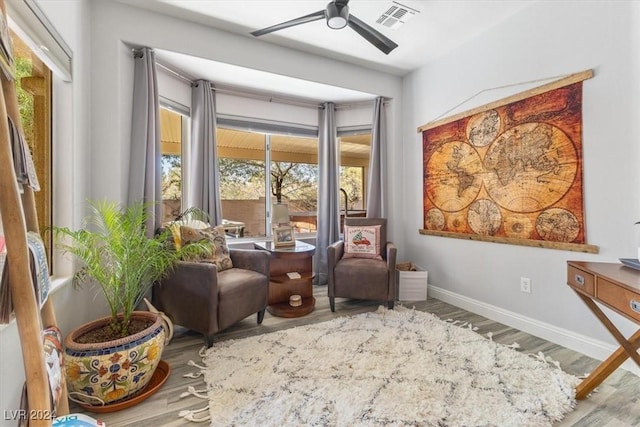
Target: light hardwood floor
{"type": "Point", "coordinates": [614, 404]}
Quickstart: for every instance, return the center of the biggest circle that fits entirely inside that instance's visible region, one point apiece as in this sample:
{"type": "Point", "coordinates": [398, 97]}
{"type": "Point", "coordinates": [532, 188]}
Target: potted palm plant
{"type": "Point", "coordinates": [113, 358]}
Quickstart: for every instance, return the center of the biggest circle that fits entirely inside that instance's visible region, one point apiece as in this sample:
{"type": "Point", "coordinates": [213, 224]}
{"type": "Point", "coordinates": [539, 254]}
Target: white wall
{"type": "Point", "coordinates": [546, 39]}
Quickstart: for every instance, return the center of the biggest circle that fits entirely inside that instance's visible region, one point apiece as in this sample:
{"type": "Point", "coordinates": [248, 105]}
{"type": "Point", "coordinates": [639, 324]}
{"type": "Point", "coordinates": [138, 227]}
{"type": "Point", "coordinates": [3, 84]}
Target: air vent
{"type": "Point", "coordinates": [396, 15]}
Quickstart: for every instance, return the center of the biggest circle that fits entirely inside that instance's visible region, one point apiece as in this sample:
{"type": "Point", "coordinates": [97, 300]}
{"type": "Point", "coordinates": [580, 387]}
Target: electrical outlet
{"type": "Point", "coordinates": [525, 285]}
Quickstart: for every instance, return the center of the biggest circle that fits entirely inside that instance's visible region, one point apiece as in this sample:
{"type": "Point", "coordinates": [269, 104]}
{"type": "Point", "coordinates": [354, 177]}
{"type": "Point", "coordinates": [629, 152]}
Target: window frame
{"type": "Point", "coordinates": [27, 19]}
{"type": "Point", "coordinates": [268, 129]}
{"type": "Point", "coordinates": [39, 87]}
{"type": "Point", "coordinates": [185, 136]}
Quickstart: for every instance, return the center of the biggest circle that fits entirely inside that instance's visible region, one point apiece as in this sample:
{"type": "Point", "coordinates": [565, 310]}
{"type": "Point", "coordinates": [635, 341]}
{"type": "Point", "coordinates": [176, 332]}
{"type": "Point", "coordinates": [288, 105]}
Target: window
{"type": "Point", "coordinates": [171, 134]}
{"type": "Point", "coordinates": [259, 169]}
{"type": "Point", "coordinates": [354, 165]}
{"type": "Point", "coordinates": [294, 179]}
{"type": "Point", "coordinates": [242, 159]}
{"type": "Point", "coordinates": [291, 177]}
{"type": "Point", "coordinates": [33, 89]}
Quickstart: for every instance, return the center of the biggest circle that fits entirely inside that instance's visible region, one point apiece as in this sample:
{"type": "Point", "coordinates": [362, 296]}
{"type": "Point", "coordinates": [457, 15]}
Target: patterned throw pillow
{"type": "Point", "coordinates": [220, 252]}
{"type": "Point", "coordinates": [362, 241]}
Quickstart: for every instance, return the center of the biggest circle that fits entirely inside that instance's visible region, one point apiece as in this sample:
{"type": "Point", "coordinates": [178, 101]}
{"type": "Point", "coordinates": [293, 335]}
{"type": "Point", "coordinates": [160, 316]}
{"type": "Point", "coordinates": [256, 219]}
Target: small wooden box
{"type": "Point", "coordinates": [412, 285]}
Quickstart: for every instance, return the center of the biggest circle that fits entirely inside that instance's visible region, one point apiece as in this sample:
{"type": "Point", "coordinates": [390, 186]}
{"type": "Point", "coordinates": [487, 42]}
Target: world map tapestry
{"type": "Point", "coordinates": [511, 171]}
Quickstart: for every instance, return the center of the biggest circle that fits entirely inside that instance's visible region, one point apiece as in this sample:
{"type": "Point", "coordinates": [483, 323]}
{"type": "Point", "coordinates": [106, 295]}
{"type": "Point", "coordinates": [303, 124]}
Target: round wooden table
{"type": "Point", "coordinates": [290, 259]}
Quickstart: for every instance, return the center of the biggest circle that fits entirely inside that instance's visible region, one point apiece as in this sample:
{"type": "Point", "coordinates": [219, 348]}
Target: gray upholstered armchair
{"type": "Point", "coordinates": [363, 278]}
{"type": "Point", "coordinates": [198, 297]}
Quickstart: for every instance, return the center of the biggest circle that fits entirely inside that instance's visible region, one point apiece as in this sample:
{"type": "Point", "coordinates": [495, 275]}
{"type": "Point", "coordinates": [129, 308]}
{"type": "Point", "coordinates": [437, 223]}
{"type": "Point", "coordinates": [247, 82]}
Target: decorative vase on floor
{"type": "Point", "coordinates": [108, 372]}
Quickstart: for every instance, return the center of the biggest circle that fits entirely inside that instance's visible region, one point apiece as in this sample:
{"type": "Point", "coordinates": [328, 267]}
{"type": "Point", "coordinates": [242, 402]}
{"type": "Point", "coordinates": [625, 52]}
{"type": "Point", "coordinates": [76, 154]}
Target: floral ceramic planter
{"type": "Point", "coordinates": [105, 373]}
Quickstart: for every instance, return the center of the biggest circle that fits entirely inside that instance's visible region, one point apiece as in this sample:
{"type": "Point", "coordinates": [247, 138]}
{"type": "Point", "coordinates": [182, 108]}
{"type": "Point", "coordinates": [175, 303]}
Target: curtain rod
{"type": "Point", "coordinates": [230, 91]}
{"type": "Point", "coordinates": [174, 72]}
{"type": "Point", "coordinates": [265, 97]}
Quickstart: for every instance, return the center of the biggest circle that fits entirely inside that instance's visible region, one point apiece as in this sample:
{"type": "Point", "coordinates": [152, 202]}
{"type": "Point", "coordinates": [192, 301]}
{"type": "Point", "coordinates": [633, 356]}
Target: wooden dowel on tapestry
{"type": "Point", "coordinates": [576, 247]}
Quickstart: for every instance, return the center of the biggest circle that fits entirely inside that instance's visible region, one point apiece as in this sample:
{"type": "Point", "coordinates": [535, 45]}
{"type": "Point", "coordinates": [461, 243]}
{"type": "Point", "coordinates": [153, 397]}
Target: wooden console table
{"type": "Point", "coordinates": [287, 259]}
{"type": "Point", "coordinates": [617, 287]}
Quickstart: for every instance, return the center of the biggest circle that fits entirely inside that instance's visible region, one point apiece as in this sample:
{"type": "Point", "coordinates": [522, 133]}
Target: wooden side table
{"type": "Point", "coordinates": [287, 259]}
{"type": "Point", "coordinates": [617, 287]}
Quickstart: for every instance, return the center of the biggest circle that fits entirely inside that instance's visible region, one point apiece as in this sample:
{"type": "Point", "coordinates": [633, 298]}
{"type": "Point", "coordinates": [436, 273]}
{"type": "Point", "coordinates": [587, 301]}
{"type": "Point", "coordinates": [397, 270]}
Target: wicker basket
{"type": "Point", "coordinates": [405, 266]}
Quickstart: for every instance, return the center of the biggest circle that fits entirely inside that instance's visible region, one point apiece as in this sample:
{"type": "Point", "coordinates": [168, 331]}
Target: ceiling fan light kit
{"type": "Point", "coordinates": [337, 16]}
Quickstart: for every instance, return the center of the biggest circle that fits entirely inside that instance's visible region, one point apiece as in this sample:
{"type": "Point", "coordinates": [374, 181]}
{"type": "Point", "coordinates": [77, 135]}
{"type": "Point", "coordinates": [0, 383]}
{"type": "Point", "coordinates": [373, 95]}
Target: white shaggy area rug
{"type": "Point", "coordinates": [387, 368]}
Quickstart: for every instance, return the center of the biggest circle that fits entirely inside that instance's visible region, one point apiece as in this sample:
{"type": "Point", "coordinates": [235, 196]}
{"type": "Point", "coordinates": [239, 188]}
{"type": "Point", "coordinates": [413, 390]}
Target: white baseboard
{"type": "Point", "coordinates": [581, 343]}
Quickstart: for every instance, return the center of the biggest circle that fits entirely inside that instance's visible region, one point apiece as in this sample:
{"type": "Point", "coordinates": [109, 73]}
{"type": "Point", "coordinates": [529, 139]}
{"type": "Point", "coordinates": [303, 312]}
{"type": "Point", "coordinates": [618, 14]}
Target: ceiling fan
{"type": "Point", "coordinates": [337, 15]}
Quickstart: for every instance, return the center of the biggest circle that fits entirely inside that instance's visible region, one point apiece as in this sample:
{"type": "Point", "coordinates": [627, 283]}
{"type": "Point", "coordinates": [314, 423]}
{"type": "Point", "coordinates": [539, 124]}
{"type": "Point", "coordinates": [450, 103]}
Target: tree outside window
{"type": "Point", "coordinates": [246, 192]}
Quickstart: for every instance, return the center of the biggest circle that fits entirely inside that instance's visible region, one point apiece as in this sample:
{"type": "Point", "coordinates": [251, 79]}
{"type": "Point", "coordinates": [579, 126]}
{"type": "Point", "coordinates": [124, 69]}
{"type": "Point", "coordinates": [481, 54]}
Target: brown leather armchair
{"type": "Point", "coordinates": [198, 297]}
{"type": "Point", "coordinates": [363, 278]}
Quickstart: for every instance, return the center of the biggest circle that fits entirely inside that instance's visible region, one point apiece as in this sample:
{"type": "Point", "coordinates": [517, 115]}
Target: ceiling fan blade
{"type": "Point", "coordinates": [302, 20]}
{"type": "Point", "coordinates": [373, 36]}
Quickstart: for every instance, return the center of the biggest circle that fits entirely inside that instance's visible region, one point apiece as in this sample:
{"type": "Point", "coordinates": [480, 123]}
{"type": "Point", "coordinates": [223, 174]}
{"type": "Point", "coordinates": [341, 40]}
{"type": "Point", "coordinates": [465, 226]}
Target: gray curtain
{"type": "Point", "coordinates": [328, 216]}
{"type": "Point", "coordinates": [204, 178]}
{"type": "Point", "coordinates": [376, 194]}
{"type": "Point", "coordinates": [145, 171]}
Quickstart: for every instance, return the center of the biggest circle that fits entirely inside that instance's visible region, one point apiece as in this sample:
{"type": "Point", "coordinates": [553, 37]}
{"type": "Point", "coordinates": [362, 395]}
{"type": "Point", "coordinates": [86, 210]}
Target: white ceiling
{"type": "Point", "coordinates": [437, 27]}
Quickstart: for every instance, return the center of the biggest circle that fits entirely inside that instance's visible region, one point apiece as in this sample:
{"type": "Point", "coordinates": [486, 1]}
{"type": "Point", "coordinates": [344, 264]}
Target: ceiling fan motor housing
{"type": "Point", "coordinates": [337, 15]}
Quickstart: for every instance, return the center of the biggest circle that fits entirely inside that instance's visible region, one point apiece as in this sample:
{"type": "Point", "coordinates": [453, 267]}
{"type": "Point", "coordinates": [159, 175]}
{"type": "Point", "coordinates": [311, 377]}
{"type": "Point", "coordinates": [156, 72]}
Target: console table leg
{"type": "Point", "coordinates": [631, 351]}
{"type": "Point", "coordinates": [606, 368]}
{"type": "Point", "coordinates": [627, 349]}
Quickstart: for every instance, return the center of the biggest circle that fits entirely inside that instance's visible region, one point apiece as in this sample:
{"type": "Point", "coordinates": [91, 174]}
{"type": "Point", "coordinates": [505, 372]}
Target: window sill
{"type": "Point", "coordinates": [243, 241]}
{"type": "Point", "coordinates": [56, 284]}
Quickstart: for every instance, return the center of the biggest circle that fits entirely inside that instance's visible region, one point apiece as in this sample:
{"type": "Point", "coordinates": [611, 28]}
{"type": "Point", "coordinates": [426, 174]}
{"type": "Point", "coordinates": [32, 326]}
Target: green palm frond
{"type": "Point", "coordinates": [118, 256]}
